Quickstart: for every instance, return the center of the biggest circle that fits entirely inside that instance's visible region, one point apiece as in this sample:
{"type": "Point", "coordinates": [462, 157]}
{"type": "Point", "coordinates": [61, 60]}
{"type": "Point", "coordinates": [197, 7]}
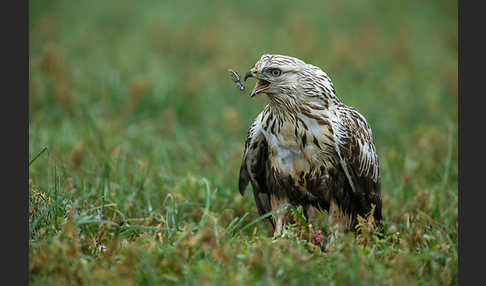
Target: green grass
{"type": "Point", "coordinates": [136, 135]}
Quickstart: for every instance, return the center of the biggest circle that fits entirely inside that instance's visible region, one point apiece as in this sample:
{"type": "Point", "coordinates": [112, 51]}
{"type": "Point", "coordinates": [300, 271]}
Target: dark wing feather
{"type": "Point", "coordinates": [359, 160]}
{"type": "Point", "coordinates": [254, 167]}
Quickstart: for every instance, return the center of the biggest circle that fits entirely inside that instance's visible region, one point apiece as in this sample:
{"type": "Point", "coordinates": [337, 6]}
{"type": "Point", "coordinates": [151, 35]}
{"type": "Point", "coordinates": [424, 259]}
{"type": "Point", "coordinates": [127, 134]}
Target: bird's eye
{"type": "Point", "coordinates": [276, 72]}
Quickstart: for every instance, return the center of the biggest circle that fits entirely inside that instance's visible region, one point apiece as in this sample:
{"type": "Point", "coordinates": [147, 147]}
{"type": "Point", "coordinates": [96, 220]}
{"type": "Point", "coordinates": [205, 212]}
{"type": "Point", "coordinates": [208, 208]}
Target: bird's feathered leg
{"type": "Point", "coordinates": [338, 217]}
{"type": "Point", "coordinates": [308, 212]}
{"type": "Point", "coordinates": [279, 218]}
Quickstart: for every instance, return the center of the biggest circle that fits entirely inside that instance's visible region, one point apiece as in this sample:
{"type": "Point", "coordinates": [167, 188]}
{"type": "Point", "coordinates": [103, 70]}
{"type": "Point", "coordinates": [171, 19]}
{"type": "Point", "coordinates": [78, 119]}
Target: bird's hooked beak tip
{"type": "Point", "coordinates": [250, 73]}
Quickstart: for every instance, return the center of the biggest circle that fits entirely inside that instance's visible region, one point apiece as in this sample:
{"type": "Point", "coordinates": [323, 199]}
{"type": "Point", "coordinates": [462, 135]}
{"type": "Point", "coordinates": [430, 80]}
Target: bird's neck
{"type": "Point", "coordinates": [282, 104]}
{"type": "Point", "coordinates": [285, 104]}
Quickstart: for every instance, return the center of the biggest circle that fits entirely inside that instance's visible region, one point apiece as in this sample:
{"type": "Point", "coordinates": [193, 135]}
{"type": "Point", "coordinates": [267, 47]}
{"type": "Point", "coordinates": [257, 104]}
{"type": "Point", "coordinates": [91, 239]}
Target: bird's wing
{"type": "Point", "coordinates": [254, 166]}
{"type": "Point", "coordinates": [358, 157]}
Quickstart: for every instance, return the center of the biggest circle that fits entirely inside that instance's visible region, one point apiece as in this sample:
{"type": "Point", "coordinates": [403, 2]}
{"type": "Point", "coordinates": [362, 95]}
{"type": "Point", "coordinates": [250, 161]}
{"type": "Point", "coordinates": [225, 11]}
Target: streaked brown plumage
{"type": "Point", "coordinates": [308, 148]}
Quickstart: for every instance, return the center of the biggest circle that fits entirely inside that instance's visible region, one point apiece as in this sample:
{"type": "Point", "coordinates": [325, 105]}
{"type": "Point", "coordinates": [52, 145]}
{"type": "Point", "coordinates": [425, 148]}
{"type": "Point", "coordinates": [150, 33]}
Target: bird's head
{"type": "Point", "coordinates": [275, 74]}
{"type": "Point", "coordinates": [290, 80]}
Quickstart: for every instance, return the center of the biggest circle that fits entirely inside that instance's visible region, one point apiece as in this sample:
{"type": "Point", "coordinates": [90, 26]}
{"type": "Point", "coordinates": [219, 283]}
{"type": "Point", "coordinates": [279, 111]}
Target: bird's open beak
{"type": "Point", "coordinates": [262, 83]}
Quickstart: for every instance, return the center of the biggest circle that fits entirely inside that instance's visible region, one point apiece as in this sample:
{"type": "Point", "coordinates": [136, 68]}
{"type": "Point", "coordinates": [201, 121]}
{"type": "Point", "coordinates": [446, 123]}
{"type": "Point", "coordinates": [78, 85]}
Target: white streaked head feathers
{"type": "Point", "coordinates": [298, 80]}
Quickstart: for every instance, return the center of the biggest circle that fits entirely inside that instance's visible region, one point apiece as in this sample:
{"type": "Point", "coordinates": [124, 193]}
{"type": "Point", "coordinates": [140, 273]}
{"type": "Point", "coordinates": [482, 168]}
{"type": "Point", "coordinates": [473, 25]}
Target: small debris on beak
{"type": "Point", "coordinates": [237, 79]}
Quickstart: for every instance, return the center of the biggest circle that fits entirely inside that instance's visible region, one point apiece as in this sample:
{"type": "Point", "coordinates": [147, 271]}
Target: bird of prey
{"type": "Point", "coordinates": [307, 148]}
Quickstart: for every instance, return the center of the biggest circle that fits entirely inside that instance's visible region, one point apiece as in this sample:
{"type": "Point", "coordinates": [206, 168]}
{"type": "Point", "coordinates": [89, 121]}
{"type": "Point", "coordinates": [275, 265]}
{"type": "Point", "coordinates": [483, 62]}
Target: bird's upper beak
{"type": "Point", "coordinates": [250, 73]}
{"type": "Point", "coordinates": [262, 83]}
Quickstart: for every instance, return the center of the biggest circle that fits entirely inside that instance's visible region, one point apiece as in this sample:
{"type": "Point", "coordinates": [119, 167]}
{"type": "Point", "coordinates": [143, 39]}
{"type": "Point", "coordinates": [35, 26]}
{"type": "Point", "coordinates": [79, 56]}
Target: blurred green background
{"type": "Point", "coordinates": [135, 105]}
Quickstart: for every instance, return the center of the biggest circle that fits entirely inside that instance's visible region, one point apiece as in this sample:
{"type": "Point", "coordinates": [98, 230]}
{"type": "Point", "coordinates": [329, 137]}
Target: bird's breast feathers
{"type": "Point", "coordinates": [299, 145]}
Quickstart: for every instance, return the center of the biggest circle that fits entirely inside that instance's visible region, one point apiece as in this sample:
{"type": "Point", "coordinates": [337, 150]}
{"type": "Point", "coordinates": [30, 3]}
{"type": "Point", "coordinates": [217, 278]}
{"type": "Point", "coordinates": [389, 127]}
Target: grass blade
{"type": "Point", "coordinates": [38, 155]}
{"type": "Point", "coordinates": [260, 218]}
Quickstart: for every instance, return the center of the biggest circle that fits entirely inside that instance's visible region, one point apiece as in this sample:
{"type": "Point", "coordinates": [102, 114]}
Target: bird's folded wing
{"type": "Point", "coordinates": [358, 156]}
{"type": "Point", "coordinates": [254, 166]}
{"type": "Point", "coordinates": [356, 144]}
